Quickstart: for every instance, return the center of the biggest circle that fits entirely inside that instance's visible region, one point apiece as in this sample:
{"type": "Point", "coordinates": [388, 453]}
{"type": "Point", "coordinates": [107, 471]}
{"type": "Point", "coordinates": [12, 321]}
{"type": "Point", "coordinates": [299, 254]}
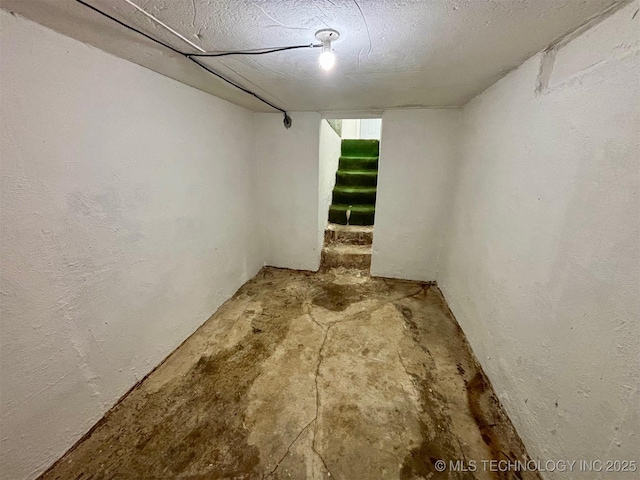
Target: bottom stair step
{"type": "Point", "coordinates": [347, 256]}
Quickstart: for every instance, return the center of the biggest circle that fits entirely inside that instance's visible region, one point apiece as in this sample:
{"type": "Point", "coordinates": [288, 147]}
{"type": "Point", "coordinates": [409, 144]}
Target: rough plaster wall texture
{"type": "Point", "coordinates": [418, 157]}
{"type": "Point", "coordinates": [288, 179]}
{"type": "Point", "coordinates": [542, 268]}
{"type": "Point", "coordinates": [330, 148]}
{"type": "Point", "coordinates": [126, 221]}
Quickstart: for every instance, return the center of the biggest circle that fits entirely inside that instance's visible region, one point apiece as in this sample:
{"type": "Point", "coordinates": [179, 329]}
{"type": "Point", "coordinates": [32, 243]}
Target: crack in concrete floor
{"type": "Point", "coordinates": [315, 418]}
{"type": "Point", "coordinates": [304, 375]}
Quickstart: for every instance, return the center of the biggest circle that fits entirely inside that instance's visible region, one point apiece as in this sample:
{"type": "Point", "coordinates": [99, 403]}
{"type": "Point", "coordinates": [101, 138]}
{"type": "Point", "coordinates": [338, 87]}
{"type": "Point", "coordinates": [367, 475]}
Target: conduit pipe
{"type": "Point", "coordinates": [164, 25]}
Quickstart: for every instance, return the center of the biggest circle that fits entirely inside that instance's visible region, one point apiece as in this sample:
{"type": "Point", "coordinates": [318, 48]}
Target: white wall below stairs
{"type": "Point", "coordinates": [418, 158]}
{"type": "Point", "coordinates": [127, 218]}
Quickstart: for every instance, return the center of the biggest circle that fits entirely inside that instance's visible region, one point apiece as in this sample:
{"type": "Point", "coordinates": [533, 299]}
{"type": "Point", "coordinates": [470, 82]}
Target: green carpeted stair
{"type": "Point", "coordinates": [356, 181]}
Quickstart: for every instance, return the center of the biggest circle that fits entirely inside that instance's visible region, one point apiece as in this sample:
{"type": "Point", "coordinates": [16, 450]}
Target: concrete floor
{"type": "Point", "coordinates": [304, 375]}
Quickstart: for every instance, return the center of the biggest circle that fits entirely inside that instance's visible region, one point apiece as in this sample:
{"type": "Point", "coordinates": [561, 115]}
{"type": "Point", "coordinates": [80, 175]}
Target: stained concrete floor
{"type": "Point", "coordinates": [308, 376]}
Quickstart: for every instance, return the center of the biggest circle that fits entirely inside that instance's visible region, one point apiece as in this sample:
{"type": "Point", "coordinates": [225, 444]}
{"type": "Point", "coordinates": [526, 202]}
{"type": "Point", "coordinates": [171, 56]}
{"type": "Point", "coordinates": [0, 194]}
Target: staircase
{"type": "Point", "coordinates": [356, 181]}
{"type": "Point", "coordinates": [347, 245]}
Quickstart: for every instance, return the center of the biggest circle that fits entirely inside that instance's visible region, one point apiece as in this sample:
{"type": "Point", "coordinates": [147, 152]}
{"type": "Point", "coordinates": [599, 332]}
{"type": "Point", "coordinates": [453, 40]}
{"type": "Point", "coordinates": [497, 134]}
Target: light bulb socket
{"type": "Point", "coordinates": [326, 36]}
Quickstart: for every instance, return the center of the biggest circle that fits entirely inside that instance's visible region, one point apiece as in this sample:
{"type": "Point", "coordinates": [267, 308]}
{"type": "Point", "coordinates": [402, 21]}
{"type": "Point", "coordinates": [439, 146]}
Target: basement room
{"type": "Point", "coordinates": [320, 239]}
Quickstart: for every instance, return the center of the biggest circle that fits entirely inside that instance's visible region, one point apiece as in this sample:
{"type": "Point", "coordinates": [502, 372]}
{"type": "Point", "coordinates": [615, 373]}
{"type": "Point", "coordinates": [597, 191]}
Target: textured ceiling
{"type": "Point", "coordinates": [429, 53]}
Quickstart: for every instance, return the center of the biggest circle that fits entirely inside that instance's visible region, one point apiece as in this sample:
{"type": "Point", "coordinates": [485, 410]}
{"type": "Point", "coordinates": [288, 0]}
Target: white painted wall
{"type": "Point", "coordinates": [361, 128]}
{"type": "Point", "coordinates": [351, 128]}
{"type": "Point", "coordinates": [127, 219]}
{"type": "Point", "coordinates": [288, 179]}
{"type": "Point", "coordinates": [370, 128]}
{"type": "Point", "coordinates": [330, 147]}
{"type": "Point", "coordinates": [418, 157]}
{"type": "Point", "coordinates": [542, 268]}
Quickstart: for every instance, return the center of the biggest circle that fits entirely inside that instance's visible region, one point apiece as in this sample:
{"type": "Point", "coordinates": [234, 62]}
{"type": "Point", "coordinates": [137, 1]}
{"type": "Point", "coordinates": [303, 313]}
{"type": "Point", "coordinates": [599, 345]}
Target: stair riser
{"type": "Point", "coordinates": [354, 198]}
{"type": "Point", "coordinates": [349, 260]}
{"type": "Point", "coordinates": [347, 163]}
{"type": "Point", "coordinates": [357, 218]}
{"type": "Point", "coordinates": [360, 148]}
{"type": "Point", "coordinates": [347, 238]}
{"type": "Point", "coordinates": [348, 179]}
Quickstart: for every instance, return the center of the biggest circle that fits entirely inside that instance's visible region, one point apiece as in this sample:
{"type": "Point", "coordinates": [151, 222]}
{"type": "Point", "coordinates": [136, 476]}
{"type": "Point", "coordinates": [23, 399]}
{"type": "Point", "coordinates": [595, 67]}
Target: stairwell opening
{"type": "Point", "coordinates": [349, 157]}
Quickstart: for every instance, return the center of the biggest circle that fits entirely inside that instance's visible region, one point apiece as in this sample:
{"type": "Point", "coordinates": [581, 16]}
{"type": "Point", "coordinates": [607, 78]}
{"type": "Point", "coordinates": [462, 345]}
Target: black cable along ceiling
{"type": "Point", "coordinates": [193, 57]}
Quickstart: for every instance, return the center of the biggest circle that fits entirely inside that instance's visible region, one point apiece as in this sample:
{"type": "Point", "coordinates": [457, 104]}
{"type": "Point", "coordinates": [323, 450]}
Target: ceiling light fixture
{"type": "Point", "coordinates": [327, 36]}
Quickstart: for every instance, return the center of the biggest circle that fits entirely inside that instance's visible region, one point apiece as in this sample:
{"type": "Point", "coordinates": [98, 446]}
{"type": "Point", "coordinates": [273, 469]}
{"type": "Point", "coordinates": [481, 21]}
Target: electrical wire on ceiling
{"type": "Point", "coordinates": [257, 51]}
{"type": "Point", "coordinates": [193, 56]}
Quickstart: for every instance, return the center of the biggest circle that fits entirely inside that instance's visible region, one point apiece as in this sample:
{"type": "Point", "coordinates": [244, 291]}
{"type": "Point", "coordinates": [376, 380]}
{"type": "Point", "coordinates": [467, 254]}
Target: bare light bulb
{"type": "Point", "coordinates": [327, 60]}
{"type": "Point", "coordinates": [327, 36]}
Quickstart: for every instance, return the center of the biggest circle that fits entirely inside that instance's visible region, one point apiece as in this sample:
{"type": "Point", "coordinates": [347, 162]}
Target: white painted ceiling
{"type": "Point", "coordinates": [400, 53]}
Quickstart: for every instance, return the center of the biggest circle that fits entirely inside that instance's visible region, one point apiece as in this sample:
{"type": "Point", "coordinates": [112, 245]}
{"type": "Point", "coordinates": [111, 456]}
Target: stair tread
{"type": "Point", "coordinates": [336, 227]}
{"type": "Point", "coordinates": [358, 163]}
{"type": "Point", "coordinates": [356, 178]}
{"type": "Point", "coordinates": [360, 147]}
{"type": "Point", "coordinates": [355, 189]}
{"type": "Point", "coordinates": [348, 249]}
{"type": "Point", "coordinates": [354, 208]}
